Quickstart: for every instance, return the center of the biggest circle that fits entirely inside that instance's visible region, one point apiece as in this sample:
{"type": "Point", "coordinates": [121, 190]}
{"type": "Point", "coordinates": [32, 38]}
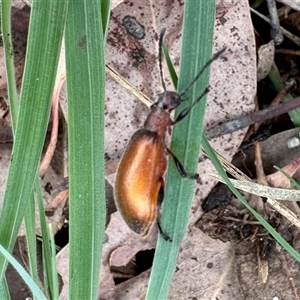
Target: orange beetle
{"type": "Point", "coordinates": [140, 175]}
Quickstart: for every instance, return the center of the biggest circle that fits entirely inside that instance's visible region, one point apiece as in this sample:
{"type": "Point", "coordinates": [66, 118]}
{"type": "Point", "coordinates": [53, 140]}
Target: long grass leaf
{"type": "Point", "coordinates": [4, 292]}
{"type": "Point", "coordinates": [86, 86]}
{"type": "Point", "coordinates": [186, 138]}
{"type": "Point", "coordinates": [31, 239]}
{"type": "Point", "coordinates": [44, 39]}
{"type": "Point", "coordinates": [9, 61]}
{"type": "Point", "coordinates": [47, 256]}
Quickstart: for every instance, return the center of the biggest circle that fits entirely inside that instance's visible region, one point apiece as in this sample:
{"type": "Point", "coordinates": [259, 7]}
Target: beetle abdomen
{"type": "Point", "coordinates": [139, 179]}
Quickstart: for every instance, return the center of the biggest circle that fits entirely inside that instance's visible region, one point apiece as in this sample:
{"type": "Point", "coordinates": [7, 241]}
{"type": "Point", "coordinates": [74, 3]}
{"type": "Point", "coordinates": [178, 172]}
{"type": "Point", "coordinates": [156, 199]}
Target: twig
{"type": "Point", "coordinates": [288, 34]}
{"type": "Point", "coordinates": [291, 3]}
{"type": "Point", "coordinates": [288, 274]}
{"type": "Point", "coordinates": [53, 139]}
{"type": "Point", "coordinates": [276, 32]}
{"type": "Point", "coordinates": [242, 221]}
{"type": "Point", "coordinates": [280, 96]}
{"type": "Point", "coordinates": [288, 51]}
{"type": "Point", "coordinates": [258, 116]}
{"type": "Point", "coordinates": [260, 175]}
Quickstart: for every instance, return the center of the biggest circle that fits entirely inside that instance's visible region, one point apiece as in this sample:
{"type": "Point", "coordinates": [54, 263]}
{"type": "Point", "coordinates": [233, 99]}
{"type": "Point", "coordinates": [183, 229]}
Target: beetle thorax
{"type": "Point", "coordinates": [158, 120]}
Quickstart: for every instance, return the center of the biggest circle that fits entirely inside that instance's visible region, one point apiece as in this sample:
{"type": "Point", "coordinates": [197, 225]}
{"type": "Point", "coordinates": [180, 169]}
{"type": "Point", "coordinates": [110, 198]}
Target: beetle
{"type": "Point", "coordinates": [140, 175]}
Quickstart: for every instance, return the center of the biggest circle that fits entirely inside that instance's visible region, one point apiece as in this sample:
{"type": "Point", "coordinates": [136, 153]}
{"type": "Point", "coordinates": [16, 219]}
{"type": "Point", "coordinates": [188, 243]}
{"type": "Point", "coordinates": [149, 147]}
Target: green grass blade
{"type": "Point", "coordinates": [292, 180]}
{"type": "Point", "coordinates": [28, 280]}
{"type": "Point", "coordinates": [54, 277]}
{"type": "Point", "coordinates": [4, 292]}
{"type": "Point", "coordinates": [86, 86]}
{"type": "Point", "coordinates": [47, 256]}
{"type": "Point", "coordinates": [31, 239]}
{"type": "Point", "coordinates": [186, 139]}
{"type": "Point", "coordinates": [9, 62]}
{"type": "Point", "coordinates": [105, 13]}
{"type": "Point", "coordinates": [14, 106]}
{"type": "Point", "coordinates": [170, 66]}
{"type": "Point", "coordinates": [44, 40]}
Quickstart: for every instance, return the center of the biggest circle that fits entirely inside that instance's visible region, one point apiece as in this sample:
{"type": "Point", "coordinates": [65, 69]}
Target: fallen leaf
{"type": "Point", "coordinates": [265, 60]}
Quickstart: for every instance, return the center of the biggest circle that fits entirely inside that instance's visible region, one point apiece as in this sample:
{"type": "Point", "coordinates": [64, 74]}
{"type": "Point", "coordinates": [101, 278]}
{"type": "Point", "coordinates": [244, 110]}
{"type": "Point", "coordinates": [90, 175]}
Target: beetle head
{"type": "Point", "coordinates": [168, 101]}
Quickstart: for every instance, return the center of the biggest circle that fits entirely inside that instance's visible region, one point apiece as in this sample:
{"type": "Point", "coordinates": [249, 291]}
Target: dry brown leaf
{"type": "Point", "coordinates": [206, 269]}
{"type": "Point", "coordinates": [265, 60]}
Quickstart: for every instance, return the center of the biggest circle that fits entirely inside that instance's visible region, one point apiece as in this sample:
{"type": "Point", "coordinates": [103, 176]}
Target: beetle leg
{"type": "Point", "coordinates": [160, 199]}
{"type": "Point", "coordinates": [160, 196]}
{"type": "Point", "coordinates": [164, 236]}
{"type": "Point", "coordinates": [180, 167]}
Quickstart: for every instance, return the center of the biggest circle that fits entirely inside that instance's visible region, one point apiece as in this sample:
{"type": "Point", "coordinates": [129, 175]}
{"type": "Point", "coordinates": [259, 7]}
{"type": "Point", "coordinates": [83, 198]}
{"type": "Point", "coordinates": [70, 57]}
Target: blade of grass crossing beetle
{"type": "Point", "coordinates": [86, 85]}
{"type": "Point", "coordinates": [198, 27]}
{"type": "Point", "coordinates": [44, 40]}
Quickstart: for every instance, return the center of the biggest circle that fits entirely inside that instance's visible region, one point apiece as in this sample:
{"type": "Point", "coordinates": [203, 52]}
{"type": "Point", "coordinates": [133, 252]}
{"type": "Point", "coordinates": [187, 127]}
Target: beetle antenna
{"type": "Point", "coordinates": [161, 37]}
{"type": "Point", "coordinates": [187, 110]}
{"type": "Point", "coordinates": [202, 70]}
